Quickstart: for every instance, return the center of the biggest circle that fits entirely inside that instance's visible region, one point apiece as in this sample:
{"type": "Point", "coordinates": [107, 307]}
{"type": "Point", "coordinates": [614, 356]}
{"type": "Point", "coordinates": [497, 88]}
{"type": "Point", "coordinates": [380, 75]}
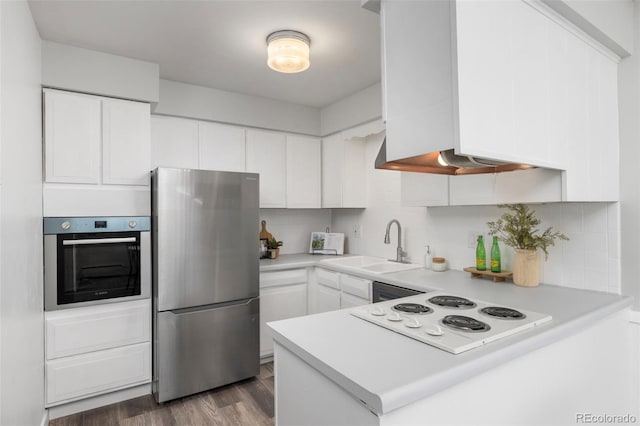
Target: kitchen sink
{"type": "Point", "coordinates": [354, 261]}
{"type": "Point", "coordinates": [387, 266]}
{"type": "Point", "coordinates": [370, 264]}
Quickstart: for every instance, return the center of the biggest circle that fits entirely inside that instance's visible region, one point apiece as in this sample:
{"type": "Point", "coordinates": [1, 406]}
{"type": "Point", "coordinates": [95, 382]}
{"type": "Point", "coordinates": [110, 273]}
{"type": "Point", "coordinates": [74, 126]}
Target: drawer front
{"type": "Point", "coordinates": [83, 330]}
{"type": "Point", "coordinates": [277, 278]}
{"type": "Point", "coordinates": [328, 278]}
{"type": "Point", "coordinates": [86, 375]}
{"type": "Point", "coordinates": [357, 286]}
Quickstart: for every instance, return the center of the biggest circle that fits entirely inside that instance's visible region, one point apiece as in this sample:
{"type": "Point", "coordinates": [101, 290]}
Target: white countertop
{"type": "Point", "coordinates": [386, 370]}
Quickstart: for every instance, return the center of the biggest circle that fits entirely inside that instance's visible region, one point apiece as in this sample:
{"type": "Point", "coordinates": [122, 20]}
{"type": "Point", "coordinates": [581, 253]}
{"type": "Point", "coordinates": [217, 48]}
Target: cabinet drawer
{"type": "Point", "coordinates": [91, 374]}
{"type": "Point", "coordinates": [93, 328]}
{"type": "Point", "coordinates": [328, 278]}
{"type": "Point", "coordinates": [276, 278]}
{"type": "Point", "coordinates": [356, 286]}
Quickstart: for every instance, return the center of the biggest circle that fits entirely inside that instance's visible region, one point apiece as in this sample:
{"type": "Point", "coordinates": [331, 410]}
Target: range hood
{"type": "Point", "coordinates": [445, 162]}
{"type": "Point", "coordinates": [434, 112]}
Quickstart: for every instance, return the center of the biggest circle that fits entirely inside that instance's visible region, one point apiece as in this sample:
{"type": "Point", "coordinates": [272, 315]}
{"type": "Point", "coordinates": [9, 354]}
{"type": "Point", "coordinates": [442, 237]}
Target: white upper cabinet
{"type": "Point", "coordinates": [174, 142]}
{"type": "Point", "coordinates": [343, 171]}
{"type": "Point", "coordinates": [266, 155]}
{"type": "Point", "coordinates": [91, 139]}
{"type": "Point", "coordinates": [304, 174]}
{"type": "Point", "coordinates": [72, 124]}
{"type": "Point", "coordinates": [126, 142]}
{"type": "Point", "coordinates": [221, 147]}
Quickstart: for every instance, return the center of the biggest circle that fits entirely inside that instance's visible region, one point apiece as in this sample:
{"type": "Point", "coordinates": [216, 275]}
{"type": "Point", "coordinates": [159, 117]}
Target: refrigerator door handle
{"type": "Point", "coordinates": [234, 303]}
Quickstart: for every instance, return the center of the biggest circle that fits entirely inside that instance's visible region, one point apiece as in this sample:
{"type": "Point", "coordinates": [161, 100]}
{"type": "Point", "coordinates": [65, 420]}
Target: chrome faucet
{"type": "Point", "coordinates": [400, 254]}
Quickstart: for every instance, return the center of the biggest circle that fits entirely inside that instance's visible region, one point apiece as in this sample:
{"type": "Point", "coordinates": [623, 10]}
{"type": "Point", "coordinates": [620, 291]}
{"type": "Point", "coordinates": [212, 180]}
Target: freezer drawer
{"type": "Point", "coordinates": [199, 349]}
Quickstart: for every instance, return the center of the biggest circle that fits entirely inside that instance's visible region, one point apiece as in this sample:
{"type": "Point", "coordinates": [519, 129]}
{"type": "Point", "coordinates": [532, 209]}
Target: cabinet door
{"type": "Point", "coordinates": [126, 142]}
{"type": "Point", "coordinates": [266, 155]}
{"type": "Point", "coordinates": [351, 301]}
{"type": "Point", "coordinates": [424, 189]}
{"type": "Point", "coordinates": [303, 172]}
{"type": "Point", "coordinates": [72, 137]}
{"type": "Point", "coordinates": [327, 299]}
{"type": "Point", "coordinates": [221, 147]}
{"type": "Point", "coordinates": [277, 303]}
{"type": "Point", "coordinates": [354, 189]}
{"type": "Point", "coordinates": [332, 159]}
{"type": "Point", "coordinates": [174, 143]}
{"type": "Point", "coordinates": [75, 331]}
{"type": "Point", "coordinates": [82, 376]}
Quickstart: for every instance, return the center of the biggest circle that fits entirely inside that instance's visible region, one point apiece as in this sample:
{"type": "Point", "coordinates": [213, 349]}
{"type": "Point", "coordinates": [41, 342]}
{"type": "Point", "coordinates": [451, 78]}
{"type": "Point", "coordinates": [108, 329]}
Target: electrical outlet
{"type": "Point", "coordinates": [356, 231]}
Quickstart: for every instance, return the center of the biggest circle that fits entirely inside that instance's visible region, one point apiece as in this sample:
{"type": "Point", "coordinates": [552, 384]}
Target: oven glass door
{"type": "Point", "coordinates": [96, 266]}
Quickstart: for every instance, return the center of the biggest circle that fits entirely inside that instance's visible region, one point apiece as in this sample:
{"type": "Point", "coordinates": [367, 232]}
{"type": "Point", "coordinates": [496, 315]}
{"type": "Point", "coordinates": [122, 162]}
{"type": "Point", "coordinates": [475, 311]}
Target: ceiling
{"type": "Point", "coordinates": [221, 43]}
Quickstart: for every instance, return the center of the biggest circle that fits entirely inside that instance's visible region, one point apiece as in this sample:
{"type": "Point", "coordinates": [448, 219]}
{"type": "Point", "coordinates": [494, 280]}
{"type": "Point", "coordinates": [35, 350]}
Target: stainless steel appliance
{"type": "Point", "coordinates": [450, 322]}
{"type": "Point", "coordinates": [205, 280]}
{"type": "Point", "coordinates": [92, 260]}
{"type": "Point", "coordinates": [383, 291]}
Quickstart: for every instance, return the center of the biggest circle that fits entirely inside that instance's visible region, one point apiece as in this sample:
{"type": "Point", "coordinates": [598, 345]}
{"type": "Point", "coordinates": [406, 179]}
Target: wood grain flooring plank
{"type": "Point", "coordinates": [255, 392]}
{"type": "Point", "coordinates": [269, 384]}
{"type": "Point", "coordinates": [71, 420]}
{"type": "Point", "coordinates": [136, 406]}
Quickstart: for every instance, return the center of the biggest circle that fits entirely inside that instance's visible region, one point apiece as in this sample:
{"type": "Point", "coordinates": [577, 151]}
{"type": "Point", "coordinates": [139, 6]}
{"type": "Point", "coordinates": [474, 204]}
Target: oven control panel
{"type": "Point", "coordinates": [77, 225]}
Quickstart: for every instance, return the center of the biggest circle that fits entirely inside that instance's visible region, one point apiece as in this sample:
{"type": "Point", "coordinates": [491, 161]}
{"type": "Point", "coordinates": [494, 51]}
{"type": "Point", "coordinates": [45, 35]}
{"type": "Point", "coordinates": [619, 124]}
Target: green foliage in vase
{"type": "Point", "coordinates": [273, 244]}
{"type": "Point", "coordinates": [519, 230]}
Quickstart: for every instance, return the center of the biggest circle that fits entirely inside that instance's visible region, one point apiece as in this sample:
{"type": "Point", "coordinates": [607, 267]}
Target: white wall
{"type": "Point", "coordinates": [360, 107]}
{"type": "Point", "coordinates": [21, 311]}
{"type": "Point", "coordinates": [294, 226]}
{"type": "Point", "coordinates": [590, 260]}
{"type": "Point", "coordinates": [190, 101]}
{"type": "Point", "coordinates": [83, 70]}
{"type": "Point", "coordinates": [629, 107]}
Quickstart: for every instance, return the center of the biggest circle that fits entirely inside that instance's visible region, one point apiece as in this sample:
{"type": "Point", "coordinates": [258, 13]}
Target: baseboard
{"type": "Point", "coordinates": [266, 359]}
{"type": "Point", "coordinates": [45, 418]}
{"type": "Point", "coordinates": [635, 317]}
{"type": "Point", "coordinates": [98, 401]}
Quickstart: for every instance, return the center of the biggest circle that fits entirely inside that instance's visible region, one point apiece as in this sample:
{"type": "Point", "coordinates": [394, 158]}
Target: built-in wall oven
{"type": "Point", "coordinates": [383, 291]}
{"type": "Point", "coordinates": [93, 260]}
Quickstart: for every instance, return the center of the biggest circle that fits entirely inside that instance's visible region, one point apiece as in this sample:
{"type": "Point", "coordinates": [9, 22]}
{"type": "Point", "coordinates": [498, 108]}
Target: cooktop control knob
{"type": "Point", "coordinates": [65, 225]}
{"type": "Point", "coordinates": [133, 224]}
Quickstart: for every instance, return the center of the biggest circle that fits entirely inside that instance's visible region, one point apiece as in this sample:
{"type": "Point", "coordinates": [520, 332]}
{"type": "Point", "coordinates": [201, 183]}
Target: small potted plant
{"type": "Point", "coordinates": [518, 229]}
{"type": "Point", "coordinates": [273, 246]}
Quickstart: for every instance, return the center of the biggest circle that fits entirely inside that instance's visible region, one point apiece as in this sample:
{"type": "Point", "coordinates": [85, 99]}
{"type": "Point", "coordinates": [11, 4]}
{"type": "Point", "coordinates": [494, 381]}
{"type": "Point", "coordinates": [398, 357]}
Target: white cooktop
{"type": "Point", "coordinates": [428, 327]}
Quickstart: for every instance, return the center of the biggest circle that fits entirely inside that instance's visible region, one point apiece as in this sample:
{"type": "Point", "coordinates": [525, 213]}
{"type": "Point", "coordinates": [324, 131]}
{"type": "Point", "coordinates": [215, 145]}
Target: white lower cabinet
{"type": "Point", "coordinates": [283, 294]}
{"type": "Point", "coordinates": [349, 301]}
{"type": "Point", "coordinates": [327, 299]}
{"type": "Point", "coordinates": [82, 376]}
{"type": "Point", "coordinates": [96, 349]}
{"type": "Point", "coordinates": [337, 290]}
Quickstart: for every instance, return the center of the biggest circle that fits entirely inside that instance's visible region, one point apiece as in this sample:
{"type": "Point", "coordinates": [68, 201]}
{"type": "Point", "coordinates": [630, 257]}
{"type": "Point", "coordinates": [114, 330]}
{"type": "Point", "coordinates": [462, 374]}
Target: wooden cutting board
{"type": "Point", "coordinates": [263, 232]}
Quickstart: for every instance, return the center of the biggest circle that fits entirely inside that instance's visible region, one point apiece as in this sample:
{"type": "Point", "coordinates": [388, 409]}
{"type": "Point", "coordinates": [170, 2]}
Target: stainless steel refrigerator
{"type": "Point", "coordinates": [205, 280]}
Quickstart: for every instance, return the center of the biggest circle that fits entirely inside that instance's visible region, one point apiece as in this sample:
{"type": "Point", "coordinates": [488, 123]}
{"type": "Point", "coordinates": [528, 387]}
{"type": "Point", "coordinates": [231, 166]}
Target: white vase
{"type": "Point", "coordinates": [526, 268]}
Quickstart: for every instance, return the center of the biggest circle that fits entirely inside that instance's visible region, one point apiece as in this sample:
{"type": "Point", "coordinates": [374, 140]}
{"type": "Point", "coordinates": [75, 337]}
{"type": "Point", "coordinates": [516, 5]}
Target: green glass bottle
{"type": "Point", "coordinates": [481, 255]}
{"type": "Point", "coordinates": [496, 264]}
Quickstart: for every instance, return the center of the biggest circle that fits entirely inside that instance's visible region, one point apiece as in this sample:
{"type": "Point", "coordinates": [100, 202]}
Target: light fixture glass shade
{"type": "Point", "coordinates": [288, 51]}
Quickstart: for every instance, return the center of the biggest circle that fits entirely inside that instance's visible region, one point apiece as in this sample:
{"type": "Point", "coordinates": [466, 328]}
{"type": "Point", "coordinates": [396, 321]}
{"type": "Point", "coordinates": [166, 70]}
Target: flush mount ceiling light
{"type": "Point", "coordinates": [288, 51]}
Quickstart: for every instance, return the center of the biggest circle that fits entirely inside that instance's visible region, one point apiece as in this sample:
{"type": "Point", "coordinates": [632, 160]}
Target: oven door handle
{"type": "Point", "coordinates": [99, 241]}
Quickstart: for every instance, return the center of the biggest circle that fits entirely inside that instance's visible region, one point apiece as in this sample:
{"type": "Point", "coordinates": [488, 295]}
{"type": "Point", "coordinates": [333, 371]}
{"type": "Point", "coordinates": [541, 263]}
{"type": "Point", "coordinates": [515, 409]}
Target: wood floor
{"type": "Point", "coordinates": [249, 402]}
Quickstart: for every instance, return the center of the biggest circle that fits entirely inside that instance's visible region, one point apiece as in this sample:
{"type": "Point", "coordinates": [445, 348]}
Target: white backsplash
{"type": "Point", "coordinates": [589, 260]}
{"type": "Point", "coordinates": [294, 226]}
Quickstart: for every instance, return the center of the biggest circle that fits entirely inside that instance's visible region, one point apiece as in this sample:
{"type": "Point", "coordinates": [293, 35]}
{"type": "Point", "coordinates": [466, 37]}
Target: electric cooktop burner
{"type": "Point", "coordinates": [412, 308]}
{"type": "Point", "coordinates": [503, 313]}
{"type": "Point", "coordinates": [462, 323]}
{"type": "Point", "coordinates": [449, 321]}
{"type": "Point", "coordinates": [452, 302]}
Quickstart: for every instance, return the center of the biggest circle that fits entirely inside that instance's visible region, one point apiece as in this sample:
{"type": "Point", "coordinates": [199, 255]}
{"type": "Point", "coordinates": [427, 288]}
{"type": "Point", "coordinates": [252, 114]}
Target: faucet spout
{"type": "Point", "coordinates": [400, 253]}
